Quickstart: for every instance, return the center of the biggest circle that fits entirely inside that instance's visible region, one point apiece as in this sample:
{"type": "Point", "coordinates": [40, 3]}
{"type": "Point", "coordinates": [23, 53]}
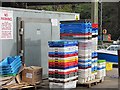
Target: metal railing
{"type": "Point", "coordinates": [104, 46]}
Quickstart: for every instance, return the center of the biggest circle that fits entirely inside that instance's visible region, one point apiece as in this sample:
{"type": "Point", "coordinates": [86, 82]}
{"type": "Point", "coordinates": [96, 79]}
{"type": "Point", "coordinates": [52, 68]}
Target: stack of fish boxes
{"type": "Point", "coordinates": [94, 50]}
{"type": "Point", "coordinates": [81, 31]}
{"type": "Point", "coordinates": [85, 59]}
{"type": "Point", "coordinates": [101, 69]}
{"type": "Point", "coordinates": [63, 64]}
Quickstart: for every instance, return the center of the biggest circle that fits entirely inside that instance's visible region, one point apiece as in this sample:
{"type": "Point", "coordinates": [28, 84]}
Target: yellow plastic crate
{"type": "Point", "coordinates": [72, 60]}
{"type": "Point", "coordinates": [109, 66]}
{"type": "Point", "coordinates": [66, 60]}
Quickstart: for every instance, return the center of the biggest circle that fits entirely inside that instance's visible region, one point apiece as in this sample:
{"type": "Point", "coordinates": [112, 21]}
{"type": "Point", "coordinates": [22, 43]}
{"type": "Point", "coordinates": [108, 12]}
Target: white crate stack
{"type": "Point", "coordinates": [84, 63]}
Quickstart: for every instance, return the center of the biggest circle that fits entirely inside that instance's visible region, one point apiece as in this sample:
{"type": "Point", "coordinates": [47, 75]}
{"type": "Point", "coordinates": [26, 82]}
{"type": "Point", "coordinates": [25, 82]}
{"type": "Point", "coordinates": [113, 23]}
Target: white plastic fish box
{"type": "Point", "coordinates": [104, 72]}
{"type": "Point", "coordinates": [71, 84]}
{"type": "Point", "coordinates": [100, 65]}
{"type": "Point", "coordinates": [88, 79]}
{"type": "Point", "coordinates": [87, 44]}
{"type": "Point", "coordinates": [94, 44]}
{"type": "Point", "coordinates": [86, 55]}
{"type": "Point", "coordinates": [89, 72]}
{"type": "Point", "coordinates": [99, 74]}
{"type": "Point", "coordinates": [64, 80]}
{"type": "Point", "coordinates": [82, 80]}
{"type": "Point", "coordinates": [82, 64]}
{"type": "Point", "coordinates": [92, 77]}
{"type": "Point", "coordinates": [95, 64]}
{"type": "Point", "coordinates": [84, 52]}
{"type": "Point", "coordinates": [63, 49]}
{"type": "Point", "coordinates": [66, 70]}
{"type": "Point", "coordinates": [84, 59]}
{"type": "Point", "coordinates": [83, 73]}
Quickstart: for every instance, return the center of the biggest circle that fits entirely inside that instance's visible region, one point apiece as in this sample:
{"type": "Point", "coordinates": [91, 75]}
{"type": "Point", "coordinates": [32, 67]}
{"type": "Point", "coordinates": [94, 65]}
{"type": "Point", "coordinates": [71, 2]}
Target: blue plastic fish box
{"type": "Point", "coordinates": [62, 43]}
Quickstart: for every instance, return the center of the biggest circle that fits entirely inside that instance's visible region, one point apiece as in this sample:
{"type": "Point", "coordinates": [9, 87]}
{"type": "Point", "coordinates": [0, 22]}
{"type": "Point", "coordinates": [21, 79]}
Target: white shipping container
{"type": "Point", "coordinates": [40, 26]}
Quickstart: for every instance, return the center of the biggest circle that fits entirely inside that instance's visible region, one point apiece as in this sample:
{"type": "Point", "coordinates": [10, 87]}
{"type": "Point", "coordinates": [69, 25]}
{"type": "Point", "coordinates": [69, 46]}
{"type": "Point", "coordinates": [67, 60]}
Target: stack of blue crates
{"type": "Point", "coordinates": [75, 30]}
{"type": "Point", "coordinates": [10, 66]}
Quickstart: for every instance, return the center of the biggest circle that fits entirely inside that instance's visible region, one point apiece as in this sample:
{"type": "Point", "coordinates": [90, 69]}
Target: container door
{"type": "Point", "coordinates": [32, 41]}
{"type": "Point", "coordinates": [37, 33]}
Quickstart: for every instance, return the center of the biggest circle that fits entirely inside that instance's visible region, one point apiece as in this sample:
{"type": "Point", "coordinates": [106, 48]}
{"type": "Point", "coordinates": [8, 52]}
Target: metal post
{"type": "Point", "coordinates": [101, 34]}
{"type": "Point", "coordinates": [119, 62]}
{"type": "Point", "coordinates": [119, 43]}
{"type": "Point", "coordinates": [0, 4]}
{"type": "Point", "coordinates": [94, 12]}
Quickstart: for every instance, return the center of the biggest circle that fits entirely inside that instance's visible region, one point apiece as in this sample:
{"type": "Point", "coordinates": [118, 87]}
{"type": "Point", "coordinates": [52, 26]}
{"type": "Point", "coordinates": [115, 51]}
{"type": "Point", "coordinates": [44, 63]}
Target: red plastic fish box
{"type": "Point", "coordinates": [62, 73]}
{"type": "Point", "coordinates": [63, 64]}
{"type": "Point", "coordinates": [63, 56]}
{"type": "Point", "coordinates": [84, 68]}
{"type": "Point", "coordinates": [70, 34]}
{"type": "Point", "coordinates": [94, 25]}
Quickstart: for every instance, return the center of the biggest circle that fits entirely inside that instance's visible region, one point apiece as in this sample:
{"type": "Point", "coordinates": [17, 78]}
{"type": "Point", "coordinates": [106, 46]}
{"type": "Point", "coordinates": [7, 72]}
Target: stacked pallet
{"type": "Point", "coordinates": [10, 66]}
{"type": "Point", "coordinates": [81, 31]}
{"type": "Point", "coordinates": [63, 64]}
{"type": "Point", "coordinates": [94, 49]}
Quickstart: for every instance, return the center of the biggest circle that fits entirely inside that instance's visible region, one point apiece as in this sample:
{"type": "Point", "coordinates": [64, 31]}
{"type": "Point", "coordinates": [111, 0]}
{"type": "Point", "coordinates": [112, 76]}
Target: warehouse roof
{"type": "Point", "coordinates": [36, 11]}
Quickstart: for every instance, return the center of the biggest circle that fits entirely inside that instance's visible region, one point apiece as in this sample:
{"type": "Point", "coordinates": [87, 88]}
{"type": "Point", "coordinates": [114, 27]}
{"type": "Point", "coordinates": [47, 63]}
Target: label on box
{"type": "Point", "coordinates": [29, 75]}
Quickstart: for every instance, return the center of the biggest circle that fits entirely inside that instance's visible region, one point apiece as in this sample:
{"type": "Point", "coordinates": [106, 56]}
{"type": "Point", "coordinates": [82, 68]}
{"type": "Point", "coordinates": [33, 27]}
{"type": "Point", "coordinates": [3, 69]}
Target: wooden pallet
{"type": "Point", "coordinates": [90, 83]}
{"type": "Point", "coordinates": [21, 86]}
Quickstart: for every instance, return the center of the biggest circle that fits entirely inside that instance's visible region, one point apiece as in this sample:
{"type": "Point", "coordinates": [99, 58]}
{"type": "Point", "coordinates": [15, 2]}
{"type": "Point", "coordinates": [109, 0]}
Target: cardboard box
{"type": "Point", "coordinates": [32, 75]}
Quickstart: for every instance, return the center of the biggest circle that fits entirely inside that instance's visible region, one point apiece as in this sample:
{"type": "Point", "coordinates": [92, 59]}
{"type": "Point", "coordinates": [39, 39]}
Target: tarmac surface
{"type": "Point", "coordinates": [111, 82]}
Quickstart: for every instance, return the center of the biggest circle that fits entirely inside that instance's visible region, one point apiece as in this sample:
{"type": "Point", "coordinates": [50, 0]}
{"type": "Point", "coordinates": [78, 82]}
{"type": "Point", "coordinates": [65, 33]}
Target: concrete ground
{"type": "Point", "coordinates": [110, 82]}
